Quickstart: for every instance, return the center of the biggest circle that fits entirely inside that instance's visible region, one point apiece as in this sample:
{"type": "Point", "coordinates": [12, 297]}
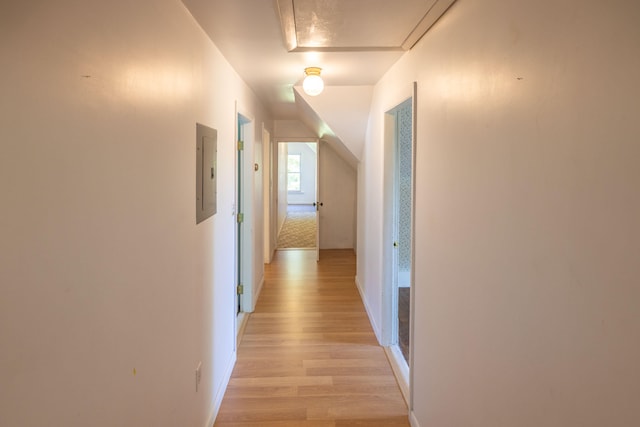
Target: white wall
{"type": "Point", "coordinates": [338, 196]}
{"type": "Point", "coordinates": [527, 214]}
{"type": "Point", "coordinates": [281, 173]}
{"type": "Point", "coordinates": [342, 111]}
{"type": "Point", "coordinates": [308, 166]}
{"type": "Point", "coordinates": [102, 267]}
{"type": "Point", "coordinates": [291, 129]}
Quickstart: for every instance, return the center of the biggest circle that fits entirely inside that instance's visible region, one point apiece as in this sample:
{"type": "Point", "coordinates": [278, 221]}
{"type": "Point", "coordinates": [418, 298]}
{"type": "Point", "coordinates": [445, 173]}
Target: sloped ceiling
{"type": "Point", "coordinates": [313, 121]}
{"type": "Point", "coordinates": [270, 43]}
{"type": "Point", "coordinates": [345, 111]}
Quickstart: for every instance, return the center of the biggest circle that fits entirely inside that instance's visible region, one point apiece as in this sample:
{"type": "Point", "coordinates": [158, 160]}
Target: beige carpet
{"type": "Point", "coordinates": [298, 231]}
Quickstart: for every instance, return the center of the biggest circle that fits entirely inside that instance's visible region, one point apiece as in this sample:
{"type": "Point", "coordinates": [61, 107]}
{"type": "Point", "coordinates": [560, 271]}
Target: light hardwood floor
{"type": "Point", "coordinates": [309, 356]}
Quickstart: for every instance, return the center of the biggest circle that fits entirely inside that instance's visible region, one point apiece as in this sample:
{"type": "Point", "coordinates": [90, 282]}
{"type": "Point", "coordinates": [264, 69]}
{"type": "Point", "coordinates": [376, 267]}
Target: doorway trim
{"type": "Point", "coordinates": [244, 125]}
{"type": "Point", "coordinates": [389, 330]}
{"type": "Point", "coordinates": [275, 171]}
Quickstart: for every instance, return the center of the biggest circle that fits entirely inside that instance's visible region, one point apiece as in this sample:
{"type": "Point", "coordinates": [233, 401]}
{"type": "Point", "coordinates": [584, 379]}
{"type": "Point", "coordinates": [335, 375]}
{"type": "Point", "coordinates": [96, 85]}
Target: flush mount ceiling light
{"type": "Point", "coordinates": [312, 83]}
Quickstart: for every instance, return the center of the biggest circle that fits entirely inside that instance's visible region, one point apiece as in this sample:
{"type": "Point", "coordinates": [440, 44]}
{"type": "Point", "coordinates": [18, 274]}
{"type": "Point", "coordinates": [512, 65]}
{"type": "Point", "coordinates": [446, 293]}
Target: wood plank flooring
{"type": "Point", "coordinates": [309, 356]}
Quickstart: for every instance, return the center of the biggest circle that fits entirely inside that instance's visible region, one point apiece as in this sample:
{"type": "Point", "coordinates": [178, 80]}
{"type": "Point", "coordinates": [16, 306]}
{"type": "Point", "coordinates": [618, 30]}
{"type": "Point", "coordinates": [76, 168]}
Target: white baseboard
{"type": "Point", "coordinates": [296, 249]}
{"type": "Point", "coordinates": [241, 324]}
{"type": "Point", "coordinates": [404, 279]}
{"type": "Point", "coordinates": [376, 330]}
{"type": "Point", "coordinates": [400, 370]}
{"type": "Point", "coordinates": [256, 295]}
{"type": "Point", "coordinates": [219, 394]}
{"type": "Point", "coordinates": [279, 231]}
{"type": "Point", "coordinates": [413, 420]}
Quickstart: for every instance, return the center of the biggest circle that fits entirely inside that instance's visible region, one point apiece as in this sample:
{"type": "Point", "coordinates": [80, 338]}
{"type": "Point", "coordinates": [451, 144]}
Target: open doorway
{"type": "Point", "coordinates": [244, 212]}
{"type": "Point", "coordinates": [298, 195]}
{"type": "Point", "coordinates": [399, 178]}
{"type": "Point", "coordinates": [402, 224]}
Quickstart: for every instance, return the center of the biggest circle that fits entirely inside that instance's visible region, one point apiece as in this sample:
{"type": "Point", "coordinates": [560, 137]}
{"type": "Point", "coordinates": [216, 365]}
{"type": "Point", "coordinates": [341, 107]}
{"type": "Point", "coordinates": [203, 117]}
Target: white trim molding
{"type": "Point", "coordinates": [219, 395]}
{"type": "Point", "coordinates": [400, 369]}
{"type": "Point", "coordinates": [376, 329]}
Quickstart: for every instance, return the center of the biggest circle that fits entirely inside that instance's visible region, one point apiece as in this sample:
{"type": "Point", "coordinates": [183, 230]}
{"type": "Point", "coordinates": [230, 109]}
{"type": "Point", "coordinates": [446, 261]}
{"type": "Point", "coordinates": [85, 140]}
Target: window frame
{"type": "Point", "coordinates": [298, 173]}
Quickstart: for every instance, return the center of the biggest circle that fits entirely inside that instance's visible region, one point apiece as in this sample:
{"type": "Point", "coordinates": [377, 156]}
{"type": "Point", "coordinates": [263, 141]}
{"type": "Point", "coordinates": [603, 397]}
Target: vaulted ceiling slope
{"type": "Point", "coordinates": [269, 43]}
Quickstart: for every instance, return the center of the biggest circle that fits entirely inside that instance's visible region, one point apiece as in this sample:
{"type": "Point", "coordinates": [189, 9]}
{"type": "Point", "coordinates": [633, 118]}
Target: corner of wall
{"type": "Point", "coordinates": [219, 395]}
{"type": "Point", "coordinates": [374, 325]}
{"type": "Point", "coordinates": [413, 420]}
{"type": "Point", "coordinates": [257, 292]}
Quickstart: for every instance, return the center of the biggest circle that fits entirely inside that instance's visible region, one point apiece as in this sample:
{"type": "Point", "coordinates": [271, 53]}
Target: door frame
{"type": "Point", "coordinates": [276, 170]}
{"type": "Point", "coordinates": [389, 333]}
{"type": "Point", "coordinates": [244, 193]}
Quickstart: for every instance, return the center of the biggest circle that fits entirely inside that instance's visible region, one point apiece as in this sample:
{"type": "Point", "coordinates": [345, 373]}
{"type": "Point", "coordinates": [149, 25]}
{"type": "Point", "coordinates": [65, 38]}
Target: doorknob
{"type": "Point", "coordinates": [395, 244]}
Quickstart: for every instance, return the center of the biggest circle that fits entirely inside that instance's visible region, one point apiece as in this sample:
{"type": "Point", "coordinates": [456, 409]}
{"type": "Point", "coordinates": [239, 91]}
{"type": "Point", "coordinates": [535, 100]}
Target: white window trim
{"type": "Point", "coordinates": [299, 173]}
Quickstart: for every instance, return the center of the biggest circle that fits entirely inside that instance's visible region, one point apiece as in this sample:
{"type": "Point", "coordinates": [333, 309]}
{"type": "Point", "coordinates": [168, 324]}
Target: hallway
{"type": "Point", "coordinates": [309, 356]}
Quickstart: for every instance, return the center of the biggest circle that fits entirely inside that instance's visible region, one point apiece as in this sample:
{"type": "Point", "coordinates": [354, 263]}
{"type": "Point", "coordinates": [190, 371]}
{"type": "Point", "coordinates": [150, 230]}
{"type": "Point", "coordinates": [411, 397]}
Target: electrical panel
{"type": "Point", "coordinates": [206, 172]}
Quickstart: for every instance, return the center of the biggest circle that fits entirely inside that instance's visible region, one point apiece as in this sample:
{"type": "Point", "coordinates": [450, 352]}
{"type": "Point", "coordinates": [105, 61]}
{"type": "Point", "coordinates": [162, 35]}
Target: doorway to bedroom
{"type": "Point", "coordinates": [298, 195]}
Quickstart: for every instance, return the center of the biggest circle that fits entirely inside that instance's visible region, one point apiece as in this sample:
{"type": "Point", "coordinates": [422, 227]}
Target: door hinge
{"type": "Point", "coordinates": [240, 145]}
{"type": "Point", "coordinates": [240, 289]}
{"type": "Point", "coordinates": [240, 218]}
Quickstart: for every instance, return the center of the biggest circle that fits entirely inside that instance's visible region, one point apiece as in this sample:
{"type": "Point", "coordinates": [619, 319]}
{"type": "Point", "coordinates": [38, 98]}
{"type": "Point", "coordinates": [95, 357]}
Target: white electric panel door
{"type": "Point", "coordinates": [206, 188]}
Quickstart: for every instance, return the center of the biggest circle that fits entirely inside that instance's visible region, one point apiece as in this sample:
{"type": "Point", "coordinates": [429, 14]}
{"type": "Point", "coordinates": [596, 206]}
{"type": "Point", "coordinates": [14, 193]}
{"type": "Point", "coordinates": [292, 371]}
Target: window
{"type": "Point", "coordinates": [293, 172]}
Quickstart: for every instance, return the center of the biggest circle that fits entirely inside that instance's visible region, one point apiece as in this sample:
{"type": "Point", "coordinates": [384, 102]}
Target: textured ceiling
{"type": "Point", "coordinates": [354, 25]}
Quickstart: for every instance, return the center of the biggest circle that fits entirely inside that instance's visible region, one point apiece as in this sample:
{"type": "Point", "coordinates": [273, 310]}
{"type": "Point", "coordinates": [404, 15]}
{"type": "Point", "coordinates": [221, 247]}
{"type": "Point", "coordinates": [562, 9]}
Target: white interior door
{"type": "Point", "coordinates": [319, 203]}
{"type": "Point", "coordinates": [245, 194]}
{"type": "Point", "coordinates": [239, 211]}
{"type": "Point", "coordinates": [267, 195]}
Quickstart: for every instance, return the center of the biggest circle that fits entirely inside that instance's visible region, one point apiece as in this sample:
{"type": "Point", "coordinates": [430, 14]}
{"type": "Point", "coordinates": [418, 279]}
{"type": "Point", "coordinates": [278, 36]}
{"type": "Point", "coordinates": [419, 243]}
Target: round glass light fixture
{"type": "Point", "coordinates": [312, 84]}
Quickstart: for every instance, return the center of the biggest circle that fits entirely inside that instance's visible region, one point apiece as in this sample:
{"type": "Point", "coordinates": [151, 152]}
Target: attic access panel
{"type": "Point", "coordinates": [206, 172]}
{"type": "Point", "coordinates": [357, 25]}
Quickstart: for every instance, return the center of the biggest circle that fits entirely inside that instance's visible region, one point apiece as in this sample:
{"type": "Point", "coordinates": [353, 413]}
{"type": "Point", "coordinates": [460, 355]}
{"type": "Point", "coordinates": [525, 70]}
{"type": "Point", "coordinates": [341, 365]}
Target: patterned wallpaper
{"type": "Point", "coordinates": [404, 154]}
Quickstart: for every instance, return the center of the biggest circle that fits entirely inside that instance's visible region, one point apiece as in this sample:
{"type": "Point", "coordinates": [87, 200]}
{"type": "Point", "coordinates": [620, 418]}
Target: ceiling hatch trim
{"type": "Point", "coordinates": [293, 25]}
